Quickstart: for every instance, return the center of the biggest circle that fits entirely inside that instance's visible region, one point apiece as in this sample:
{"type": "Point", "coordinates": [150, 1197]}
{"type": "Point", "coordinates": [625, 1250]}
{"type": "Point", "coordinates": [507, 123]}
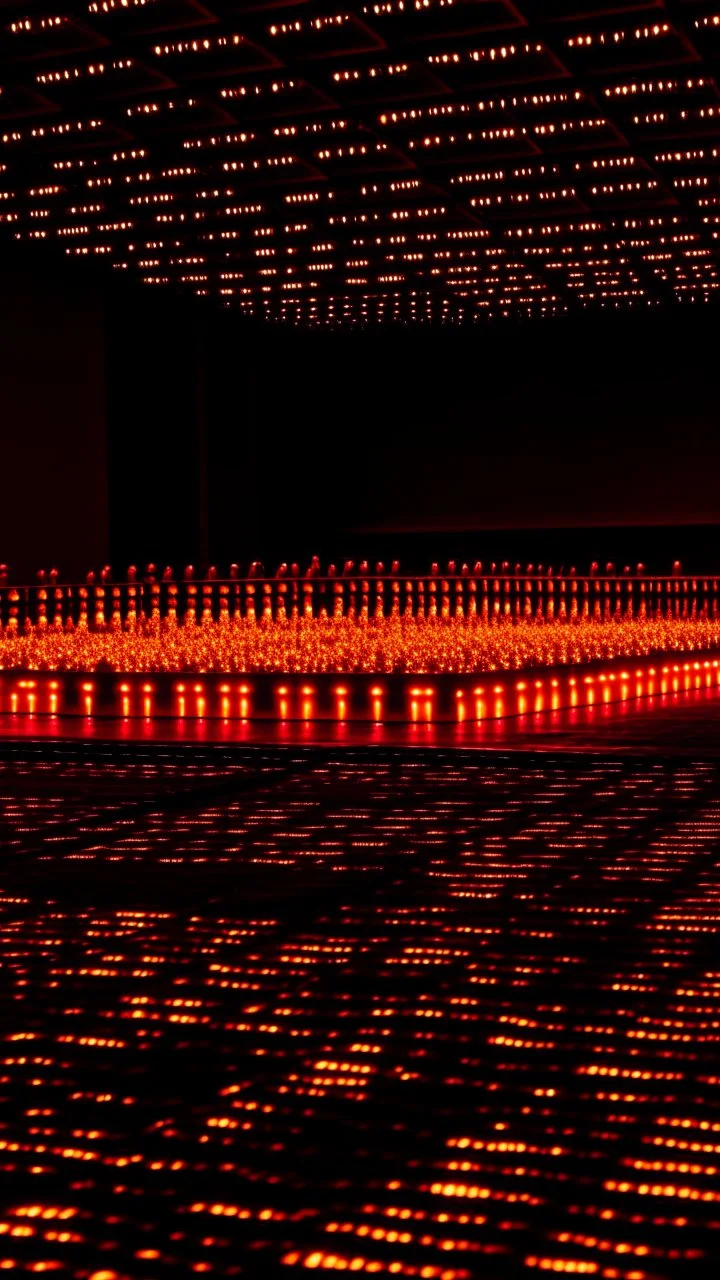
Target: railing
{"type": "Point", "coordinates": [484, 594]}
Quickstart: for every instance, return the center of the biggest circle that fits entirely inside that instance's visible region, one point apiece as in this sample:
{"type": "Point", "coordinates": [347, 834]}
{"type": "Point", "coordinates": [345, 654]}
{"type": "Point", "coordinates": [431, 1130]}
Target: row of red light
{"type": "Point", "coordinates": [480, 702]}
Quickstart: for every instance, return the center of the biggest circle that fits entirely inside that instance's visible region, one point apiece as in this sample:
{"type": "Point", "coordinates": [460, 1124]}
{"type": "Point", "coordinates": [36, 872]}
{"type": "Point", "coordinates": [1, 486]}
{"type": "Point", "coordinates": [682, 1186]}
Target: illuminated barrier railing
{"type": "Point", "coordinates": [464, 592]}
{"type": "Point", "coordinates": [366, 698]}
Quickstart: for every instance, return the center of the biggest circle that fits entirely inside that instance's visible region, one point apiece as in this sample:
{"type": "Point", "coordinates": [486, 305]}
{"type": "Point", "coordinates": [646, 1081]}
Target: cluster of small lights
{"type": "Point", "coordinates": [460, 621]}
{"type": "Point", "coordinates": [109, 6]}
{"type": "Point", "coordinates": [428, 104]}
{"type": "Point", "coordinates": [92, 69]}
{"type": "Point", "coordinates": [36, 24]}
{"type": "Point", "coordinates": [489, 981]}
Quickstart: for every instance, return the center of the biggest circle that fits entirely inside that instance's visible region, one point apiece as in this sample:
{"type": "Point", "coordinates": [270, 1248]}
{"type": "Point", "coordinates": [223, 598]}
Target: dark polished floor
{"type": "Point", "coordinates": [429, 1013]}
{"type": "Point", "coordinates": [685, 721]}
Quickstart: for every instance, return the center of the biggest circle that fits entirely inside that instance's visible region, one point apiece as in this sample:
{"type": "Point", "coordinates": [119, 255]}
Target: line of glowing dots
{"type": "Point", "coordinates": [523, 691]}
{"type": "Point", "coordinates": [283, 703]}
{"type": "Point", "coordinates": [421, 701]}
{"type": "Point", "coordinates": [124, 698]}
{"type": "Point", "coordinates": [200, 700]}
{"type": "Point", "coordinates": [307, 705]}
{"type": "Point", "coordinates": [30, 697]}
{"type": "Point", "coordinates": [605, 679]}
{"type": "Point", "coordinates": [88, 690]}
{"type": "Point", "coordinates": [495, 703]}
{"type": "Point", "coordinates": [199, 705]}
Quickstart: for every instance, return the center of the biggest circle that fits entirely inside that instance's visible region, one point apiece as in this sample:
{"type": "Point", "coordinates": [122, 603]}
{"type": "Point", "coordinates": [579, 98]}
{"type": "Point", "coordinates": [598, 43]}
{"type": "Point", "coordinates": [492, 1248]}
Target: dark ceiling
{"type": "Point", "coordinates": [407, 160]}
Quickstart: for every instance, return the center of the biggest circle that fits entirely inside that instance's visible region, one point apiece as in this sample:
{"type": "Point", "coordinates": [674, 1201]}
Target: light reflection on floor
{"type": "Point", "coordinates": [435, 1014]}
{"type": "Point", "coordinates": [648, 721]}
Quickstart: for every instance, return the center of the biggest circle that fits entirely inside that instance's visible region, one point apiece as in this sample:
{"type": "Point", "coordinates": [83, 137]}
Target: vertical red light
{"type": "Point", "coordinates": [147, 700]}
{"type": "Point", "coordinates": [30, 698]}
{"type": "Point", "coordinates": [125, 700]}
{"type": "Point", "coordinates": [521, 700]}
{"type": "Point", "coordinates": [200, 702]}
{"type": "Point", "coordinates": [499, 691]}
{"type": "Point", "coordinates": [283, 702]}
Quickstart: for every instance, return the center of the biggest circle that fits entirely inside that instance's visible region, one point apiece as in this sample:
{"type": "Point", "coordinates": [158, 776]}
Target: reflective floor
{"type": "Point", "coordinates": [686, 720]}
{"type": "Point", "coordinates": [430, 1013]}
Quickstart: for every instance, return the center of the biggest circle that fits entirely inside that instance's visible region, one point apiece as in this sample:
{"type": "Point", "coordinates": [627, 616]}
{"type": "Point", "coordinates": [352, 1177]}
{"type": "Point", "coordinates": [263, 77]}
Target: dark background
{"type": "Point", "coordinates": [53, 441]}
{"type": "Point", "coordinates": [137, 425]}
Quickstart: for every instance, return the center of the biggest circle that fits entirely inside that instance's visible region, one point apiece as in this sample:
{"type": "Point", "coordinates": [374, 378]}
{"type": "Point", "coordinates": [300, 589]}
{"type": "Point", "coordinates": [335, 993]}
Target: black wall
{"type": "Point", "coordinates": [348, 442]}
{"type": "Point", "coordinates": [53, 486]}
{"type": "Point", "coordinates": [140, 426]}
{"type": "Point", "coordinates": [156, 392]}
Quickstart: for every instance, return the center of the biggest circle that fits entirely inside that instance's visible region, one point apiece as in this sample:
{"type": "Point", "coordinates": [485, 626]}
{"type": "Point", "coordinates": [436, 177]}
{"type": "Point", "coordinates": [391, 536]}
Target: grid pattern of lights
{"type": "Point", "coordinates": [407, 160]}
{"type": "Point", "coordinates": [489, 981]}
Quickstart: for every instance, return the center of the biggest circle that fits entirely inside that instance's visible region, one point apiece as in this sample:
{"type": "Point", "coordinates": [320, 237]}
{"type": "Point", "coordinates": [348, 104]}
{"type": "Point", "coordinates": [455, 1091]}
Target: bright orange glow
{"type": "Point", "coordinates": [424, 704]}
{"type": "Point", "coordinates": [421, 631]}
{"type": "Point", "coordinates": [481, 635]}
{"type": "Point", "coordinates": [283, 704]}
